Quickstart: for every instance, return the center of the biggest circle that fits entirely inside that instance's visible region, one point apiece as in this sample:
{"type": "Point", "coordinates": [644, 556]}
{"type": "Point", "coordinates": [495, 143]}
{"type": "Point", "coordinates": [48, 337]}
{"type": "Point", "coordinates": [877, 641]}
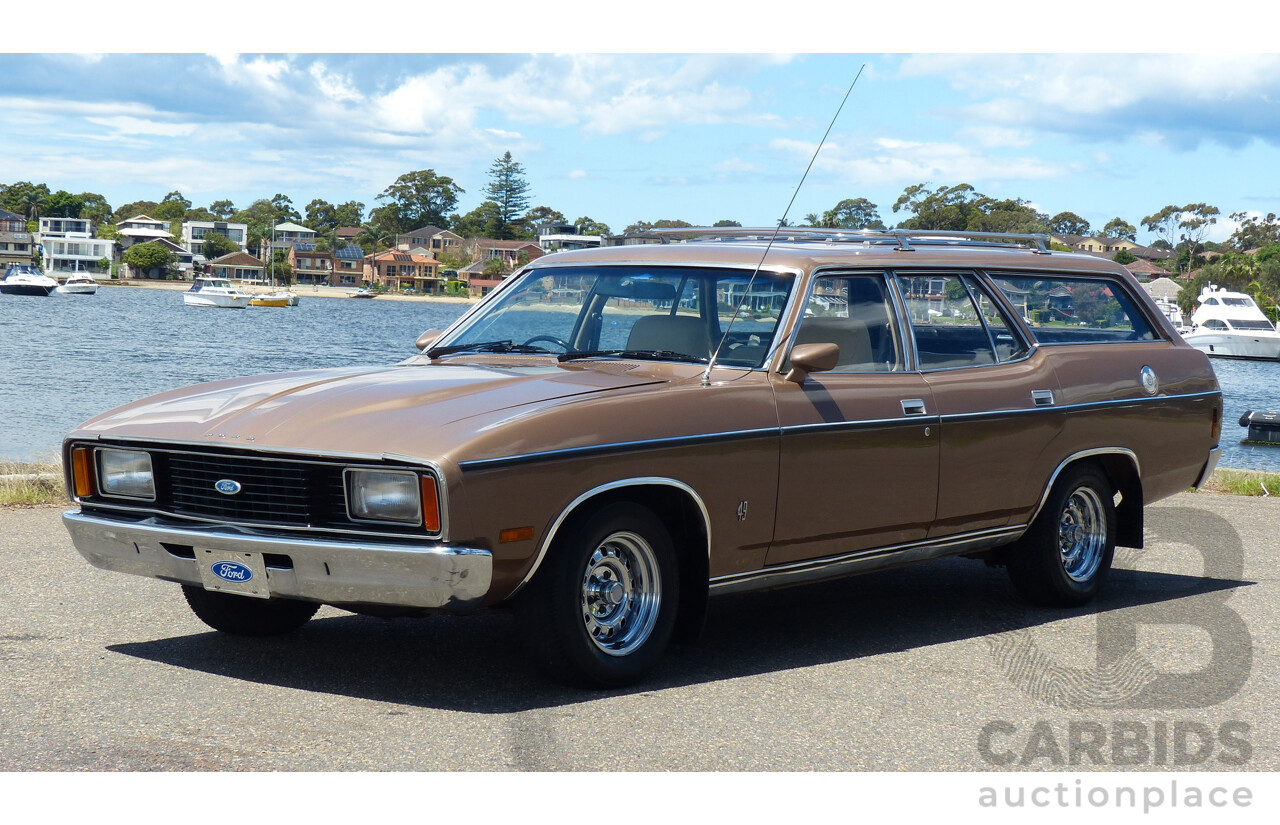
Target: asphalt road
{"type": "Point", "coordinates": [933, 667]}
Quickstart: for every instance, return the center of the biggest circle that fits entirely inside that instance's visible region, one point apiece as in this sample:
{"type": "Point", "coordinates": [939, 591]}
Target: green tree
{"type": "Point", "coordinates": [321, 216]}
{"type": "Point", "coordinates": [223, 210]}
{"type": "Point", "coordinates": [283, 206]}
{"type": "Point", "coordinates": [63, 204]}
{"type": "Point", "coordinates": [1254, 232]}
{"type": "Point", "coordinates": [373, 239]}
{"type": "Point", "coordinates": [1120, 228]}
{"type": "Point", "coordinates": [1068, 223]}
{"type": "Point", "coordinates": [150, 256]}
{"type": "Point", "coordinates": [261, 218]}
{"type": "Point", "coordinates": [172, 209]}
{"type": "Point", "coordinates": [1124, 257]}
{"type": "Point", "coordinates": [215, 246]}
{"type": "Point", "coordinates": [947, 207]}
{"type": "Point", "coordinates": [350, 213]}
{"type": "Point", "coordinates": [588, 226]}
{"type": "Point", "coordinates": [133, 209]}
{"type": "Point", "coordinates": [482, 222]}
{"type": "Point", "coordinates": [510, 191]}
{"type": "Point", "coordinates": [1189, 224]}
{"type": "Point", "coordinates": [852, 213]}
{"type": "Point", "coordinates": [417, 199]}
{"type": "Point", "coordinates": [645, 226]}
{"type": "Point", "coordinates": [727, 223]}
{"type": "Point", "coordinates": [281, 270]}
{"type": "Point", "coordinates": [25, 198]}
{"type": "Point", "coordinates": [539, 216]}
{"type": "Point", "coordinates": [94, 208]}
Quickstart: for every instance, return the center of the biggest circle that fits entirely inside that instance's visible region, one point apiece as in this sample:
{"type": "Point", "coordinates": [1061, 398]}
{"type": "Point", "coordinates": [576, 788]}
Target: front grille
{"type": "Point", "coordinates": [279, 492]}
{"type": "Point", "coordinates": [275, 491]}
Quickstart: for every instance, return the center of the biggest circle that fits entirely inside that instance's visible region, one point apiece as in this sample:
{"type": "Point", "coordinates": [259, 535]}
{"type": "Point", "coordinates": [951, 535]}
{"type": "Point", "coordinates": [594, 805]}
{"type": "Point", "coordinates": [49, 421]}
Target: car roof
{"type": "Point", "coordinates": [800, 252]}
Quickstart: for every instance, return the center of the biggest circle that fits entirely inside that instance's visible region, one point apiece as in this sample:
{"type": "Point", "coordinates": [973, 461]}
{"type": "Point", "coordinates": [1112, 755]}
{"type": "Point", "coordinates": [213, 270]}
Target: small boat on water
{"type": "Point", "coordinates": [1230, 325]}
{"type": "Point", "coordinates": [215, 292]}
{"type": "Point", "coordinates": [274, 299]}
{"type": "Point", "coordinates": [363, 293]}
{"type": "Point", "coordinates": [78, 284]}
{"type": "Point", "coordinates": [24, 279]}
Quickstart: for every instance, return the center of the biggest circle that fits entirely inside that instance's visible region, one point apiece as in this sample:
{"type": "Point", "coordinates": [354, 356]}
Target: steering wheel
{"type": "Point", "coordinates": [564, 345]}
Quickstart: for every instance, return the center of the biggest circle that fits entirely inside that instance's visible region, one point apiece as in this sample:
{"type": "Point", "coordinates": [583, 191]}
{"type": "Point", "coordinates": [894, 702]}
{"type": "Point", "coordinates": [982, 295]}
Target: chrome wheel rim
{"type": "Point", "coordinates": [1082, 534]}
{"type": "Point", "coordinates": [621, 593]}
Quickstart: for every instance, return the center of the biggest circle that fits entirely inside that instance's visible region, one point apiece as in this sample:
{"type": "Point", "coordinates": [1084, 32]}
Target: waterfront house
{"type": "Point", "coordinates": [183, 266]}
{"type": "Point", "coordinates": [16, 243]}
{"type": "Point", "coordinates": [67, 246]}
{"type": "Point", "coordinates": [140, 229]}
{"type": "Point", "coordinates": [285, 235]}
{"type": "Point", "coordinates": [1101, 246]}
{"type": "Point", "coordinates": [435, 240]}
{"type": "Point", "coordinates": [398, 271]}
{"type": "Point", "coordinates": [309, 265]}
{"type": "Point", "coordinates": [348, 266]}
{"type": "Point", "coordinates": [554, 237]}
{"type": "Point", "coordinates": [193, 233]}
{"type": "Point", "coordinates": [512, 253]}
{"type": "Point", "coordinates": [239, 266]}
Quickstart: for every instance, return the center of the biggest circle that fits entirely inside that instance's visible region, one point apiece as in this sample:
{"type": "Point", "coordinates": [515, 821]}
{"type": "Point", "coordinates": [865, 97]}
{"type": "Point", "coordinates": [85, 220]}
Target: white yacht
{"type": "Point", "coordinates": [1170, 309]}
{"type": "Point", "coordinates": [80, 283]}
{"type": "Point", "coordinates": [1230, 325]}
{"type": "Point", "coordinates": [24, 279]}
{"type": "Point", "coordinates": [215, 292]}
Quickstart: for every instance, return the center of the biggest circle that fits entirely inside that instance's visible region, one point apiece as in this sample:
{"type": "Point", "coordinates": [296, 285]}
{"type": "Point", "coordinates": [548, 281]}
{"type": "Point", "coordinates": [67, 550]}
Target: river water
{"type": "Point", "coordinates": [66, 358]}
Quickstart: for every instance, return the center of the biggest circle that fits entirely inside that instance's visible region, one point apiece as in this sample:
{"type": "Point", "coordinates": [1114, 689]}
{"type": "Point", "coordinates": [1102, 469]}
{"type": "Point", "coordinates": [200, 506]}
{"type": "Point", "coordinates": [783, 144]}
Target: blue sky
{"type": "Point", "coordinates": [623, 136]}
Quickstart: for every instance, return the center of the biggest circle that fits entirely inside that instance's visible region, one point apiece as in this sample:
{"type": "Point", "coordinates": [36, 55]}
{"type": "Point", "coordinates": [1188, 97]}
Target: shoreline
{"type": "Point", "coordinates": [302, 291]}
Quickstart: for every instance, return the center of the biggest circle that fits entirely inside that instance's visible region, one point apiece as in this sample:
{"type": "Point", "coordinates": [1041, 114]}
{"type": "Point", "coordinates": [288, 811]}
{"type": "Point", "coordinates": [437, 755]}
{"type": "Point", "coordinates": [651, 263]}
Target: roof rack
{"type": "Point", "coordinates": [904, 240]}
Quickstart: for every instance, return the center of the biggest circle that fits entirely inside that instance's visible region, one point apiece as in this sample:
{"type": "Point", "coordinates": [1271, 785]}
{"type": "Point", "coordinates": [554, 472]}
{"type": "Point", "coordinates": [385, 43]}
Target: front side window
{"type": "Point", "coordinates": [1067, 309]}
{"type": "Point", "coordinates": [955, 323]}
{"type": "Point", "coordinates": [854, 312]}
{"type": "Point", "coordinates": [659, 312]}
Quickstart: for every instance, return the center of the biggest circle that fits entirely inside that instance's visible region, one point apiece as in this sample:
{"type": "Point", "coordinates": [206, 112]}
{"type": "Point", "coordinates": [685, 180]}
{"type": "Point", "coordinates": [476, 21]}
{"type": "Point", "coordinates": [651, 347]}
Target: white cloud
{"type": "Point", "coordinates": [126, 125]}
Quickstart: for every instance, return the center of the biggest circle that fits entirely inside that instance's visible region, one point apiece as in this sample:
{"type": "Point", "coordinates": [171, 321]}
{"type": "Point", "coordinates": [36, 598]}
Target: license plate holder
{"type": "Point", "coordinates": [228, 571]}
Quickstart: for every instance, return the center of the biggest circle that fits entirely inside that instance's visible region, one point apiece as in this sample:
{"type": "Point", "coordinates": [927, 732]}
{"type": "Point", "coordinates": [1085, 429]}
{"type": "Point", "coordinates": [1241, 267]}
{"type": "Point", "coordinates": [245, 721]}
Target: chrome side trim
{"type": "Point", "coordinates": [864, 561]}
{"type": "Point", "coordinates": [1048, 488]}
{"type": "Point", "coordinates": [604, 488]}
{"type": "Point", "coordinates": [1209, 466]}
{"type": "Point", "coordinates": [615, 447]}
{"type": "Point", "coordinates": [333, 572]}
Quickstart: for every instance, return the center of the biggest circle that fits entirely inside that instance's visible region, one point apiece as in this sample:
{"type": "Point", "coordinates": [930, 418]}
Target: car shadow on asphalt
{"type": "Point", "coordinates": [474, 664]}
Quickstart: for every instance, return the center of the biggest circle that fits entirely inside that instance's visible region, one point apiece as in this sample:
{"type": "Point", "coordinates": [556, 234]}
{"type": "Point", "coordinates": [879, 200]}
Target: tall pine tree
{"type": "Point", "coordinates": [510, 191]}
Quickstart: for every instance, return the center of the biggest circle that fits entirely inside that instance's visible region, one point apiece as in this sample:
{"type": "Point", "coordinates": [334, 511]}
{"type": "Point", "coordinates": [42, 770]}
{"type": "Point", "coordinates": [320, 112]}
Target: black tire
{"type": "Point", "coordinates": [1064, 557]}
{"type": "Point", "coordinates": [247, 616]}
{"type": "Point", "coordinates": [601, 611]}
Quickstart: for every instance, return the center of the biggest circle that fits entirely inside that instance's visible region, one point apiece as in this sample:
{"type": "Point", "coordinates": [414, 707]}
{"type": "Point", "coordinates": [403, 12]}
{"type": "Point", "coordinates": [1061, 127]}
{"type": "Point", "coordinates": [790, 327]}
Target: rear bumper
{"type": "Point", "coordinates": [1209, 466]}
{"type": "Point", "coordinates": [332, 572]}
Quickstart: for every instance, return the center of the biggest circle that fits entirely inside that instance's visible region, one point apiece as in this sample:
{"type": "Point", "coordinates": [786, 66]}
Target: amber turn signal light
{"type": "Point", "coordinates": [82, 471]}
{"type": "Point", "coordinates": [430, 504]}
{"type": "Point", "coordinates": [515, 534]}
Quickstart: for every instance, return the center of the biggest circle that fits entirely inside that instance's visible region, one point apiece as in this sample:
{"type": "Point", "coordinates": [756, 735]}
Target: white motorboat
{"type": "Point", "coordinates": [78, 284]}
{"type": "Point", "coordinates": [1170, 309]}
{"type": "Point", "coordinates": [24, 279]}
{"type": "Point", "coordinates": [215, 292]}
{"type": "Point", "coordinates": [1230, 325]}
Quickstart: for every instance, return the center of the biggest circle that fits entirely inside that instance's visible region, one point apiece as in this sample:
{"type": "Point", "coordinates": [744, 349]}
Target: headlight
{"type": "Point", "coordinates": [126, 473]}
{"type": "Point", "coordinates": [392, 495]}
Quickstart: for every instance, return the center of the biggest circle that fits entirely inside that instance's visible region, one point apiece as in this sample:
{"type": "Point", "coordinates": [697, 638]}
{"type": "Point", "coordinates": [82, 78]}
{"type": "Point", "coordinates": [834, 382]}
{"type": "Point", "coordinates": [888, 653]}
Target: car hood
{"type": "Point", "coordinates": [367, 411]}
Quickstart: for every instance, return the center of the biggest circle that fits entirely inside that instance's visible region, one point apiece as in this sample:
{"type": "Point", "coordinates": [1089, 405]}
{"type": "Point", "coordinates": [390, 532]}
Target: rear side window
{"type": "Point", "coordinates": [1074, 310]}
{"type": "Point", "coordinates": [955, 323]}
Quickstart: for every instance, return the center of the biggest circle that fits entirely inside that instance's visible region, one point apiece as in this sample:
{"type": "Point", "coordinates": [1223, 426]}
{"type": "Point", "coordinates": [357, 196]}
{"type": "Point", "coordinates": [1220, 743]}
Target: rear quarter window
{"type": "Point", "coordinates": [1065, 309]}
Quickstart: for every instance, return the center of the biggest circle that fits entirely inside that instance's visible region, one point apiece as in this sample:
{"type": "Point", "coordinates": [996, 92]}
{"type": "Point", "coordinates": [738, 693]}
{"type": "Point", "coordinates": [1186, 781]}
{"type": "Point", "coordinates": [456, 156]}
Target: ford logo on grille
{"type": "Point", "coordinates": [227, 486]}
{"type": "Point", "coordinates": [232, 571]}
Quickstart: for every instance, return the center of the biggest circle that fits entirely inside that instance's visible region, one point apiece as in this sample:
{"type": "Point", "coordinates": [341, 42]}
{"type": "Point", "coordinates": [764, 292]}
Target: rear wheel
{"type": "Point", "coordinates": [601, 611]}
{"type": "Point", "coordinates": [1065, 555]}
{"type": "Point", "coordinates": [247, 616]}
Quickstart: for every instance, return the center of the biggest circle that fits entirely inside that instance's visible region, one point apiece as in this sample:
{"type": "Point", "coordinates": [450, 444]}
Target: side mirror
{"type": "Point", "coordinates": [807, 358]}
{"type": "Point", "coordinates": [427, 338]}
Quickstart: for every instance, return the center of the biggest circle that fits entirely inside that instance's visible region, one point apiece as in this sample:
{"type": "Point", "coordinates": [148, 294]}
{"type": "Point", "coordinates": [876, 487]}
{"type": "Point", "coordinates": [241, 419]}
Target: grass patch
{"type": "Point", "coordinates": [1243, 483]}
{"type": "Point", "coordinates": [31, 485]}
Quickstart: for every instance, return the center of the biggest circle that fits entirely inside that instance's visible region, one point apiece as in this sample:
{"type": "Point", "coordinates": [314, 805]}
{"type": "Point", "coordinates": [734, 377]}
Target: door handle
{"type": "Point", "coordinates": [912, 406]}
{"type": "Point", "coordinates": [1042, 398]}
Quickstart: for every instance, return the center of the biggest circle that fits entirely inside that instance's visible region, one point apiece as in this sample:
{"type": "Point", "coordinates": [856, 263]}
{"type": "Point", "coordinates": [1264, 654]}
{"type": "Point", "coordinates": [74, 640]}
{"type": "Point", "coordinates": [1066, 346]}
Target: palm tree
{"type": "Point", "coordinates": [34, 202]}
{"type": "Point", "coordinates": [370, 238]}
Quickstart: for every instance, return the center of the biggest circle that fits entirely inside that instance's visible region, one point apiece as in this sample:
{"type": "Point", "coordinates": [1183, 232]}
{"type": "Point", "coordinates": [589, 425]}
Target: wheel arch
{"type": "Point", "coordinates": [685, 516]}
{"type": "Point", "coordinates": [1121, 467]}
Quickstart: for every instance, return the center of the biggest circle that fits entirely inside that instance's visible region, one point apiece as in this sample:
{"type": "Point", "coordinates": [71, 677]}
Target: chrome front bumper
{"type": "Point", "coordinates": [332, 572]}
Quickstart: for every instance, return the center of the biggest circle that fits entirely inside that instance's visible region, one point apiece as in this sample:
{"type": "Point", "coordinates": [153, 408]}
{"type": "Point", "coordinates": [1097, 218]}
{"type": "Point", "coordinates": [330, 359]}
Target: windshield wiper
{"type": "Point", "coordinates": [486, 346]}
{"type": "Point", "coordinates": [645, 354]}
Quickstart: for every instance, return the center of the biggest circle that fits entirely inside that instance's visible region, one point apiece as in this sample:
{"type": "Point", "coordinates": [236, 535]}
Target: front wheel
{"type": "Point", "coordinates": [601, 612]}
{"type": "Point", "coordinates": [247, 616]}
{"type": "Point", "coordinates": [1065, 555]}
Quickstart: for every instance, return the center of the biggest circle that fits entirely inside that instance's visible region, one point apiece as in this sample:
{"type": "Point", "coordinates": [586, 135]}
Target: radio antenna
{"type": "Point", "coordinates": [706, 375]}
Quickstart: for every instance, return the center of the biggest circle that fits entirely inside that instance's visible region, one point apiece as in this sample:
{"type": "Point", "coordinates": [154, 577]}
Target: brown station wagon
{"type": "Point", "coordinates": [615, 435]}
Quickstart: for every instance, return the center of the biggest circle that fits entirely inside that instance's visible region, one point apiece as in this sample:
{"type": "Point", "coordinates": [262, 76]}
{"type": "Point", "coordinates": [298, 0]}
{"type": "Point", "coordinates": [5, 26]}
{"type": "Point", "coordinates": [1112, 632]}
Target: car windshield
{"type": "Point", "coordinates": [667, 313]}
